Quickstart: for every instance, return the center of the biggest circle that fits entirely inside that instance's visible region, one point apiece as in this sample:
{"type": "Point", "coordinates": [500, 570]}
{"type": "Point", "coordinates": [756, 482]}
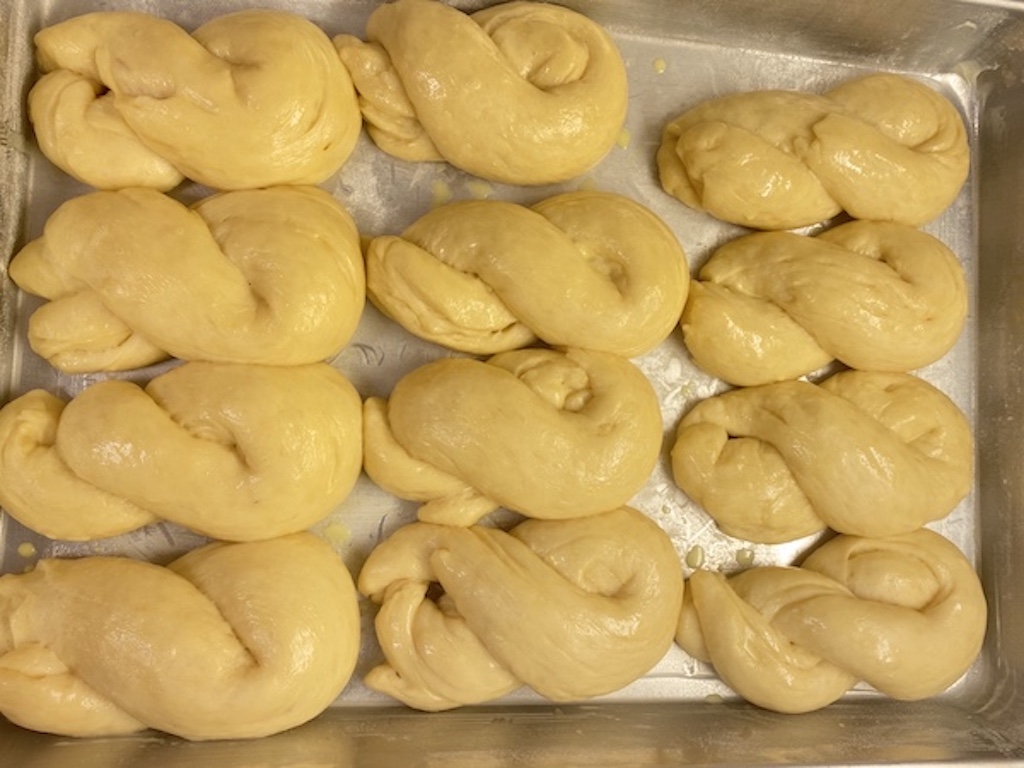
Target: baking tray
{"type": "Point", "coordinates": [677, 53]}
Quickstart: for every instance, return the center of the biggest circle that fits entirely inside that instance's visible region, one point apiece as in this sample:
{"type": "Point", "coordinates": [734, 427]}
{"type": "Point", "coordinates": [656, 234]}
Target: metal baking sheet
{"type": "Point", "coordinates": [385, 196]}
{"type": "Point", "coordinates": [677, 54]}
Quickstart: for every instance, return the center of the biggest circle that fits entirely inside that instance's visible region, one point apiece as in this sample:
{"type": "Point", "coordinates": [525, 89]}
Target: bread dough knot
{"type": "Point", "coordinates": [582, 269]}
{"type": "Point", "coordinates": [864, 453]}
{"type": "Point", "coordinates": [235, 452]}
{"type": "Point", "coordinates": [906, 614]}
{"type": "Point", "coordinates": [521, 93]}
{"type": "Point", "coordinates": [545, 433]}
{"type": "Point", "coordinates": [572, 608]}
{"type": "Point", "coordinates": [215, 645]}
{"type": "Point", "coordinates": [881, 147]}
{"type": "Point", "coordinates": [250, 99]}
{"type": "Point", "coordinates": [775, 305]}
{"type": "Point", "coordinates": [271, 276]}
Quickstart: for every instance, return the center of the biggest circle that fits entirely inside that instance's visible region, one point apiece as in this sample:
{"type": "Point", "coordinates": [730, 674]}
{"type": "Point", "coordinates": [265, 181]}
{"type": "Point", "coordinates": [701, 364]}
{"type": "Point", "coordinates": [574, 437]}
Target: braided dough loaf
{"type": "Point", "coordinates": [270, 276]}
{"type": "Point", "coordinates": [233, 452]}
{"type": "Point", "coordinates": [865, 453]}
{"type": "Point", "coordinates": [582, 269]}
{"type": "Point", "coordinates": [906, 614]}
{"type": "Point", "coordinates": [880, 147]}
{"type": "Point", "coordinates": [522, 92]}
{"type": "Point", "coordinates": [250, 99]}
{"type": "Point", "coordinates": [548, 434]}
{"type": "Point", "coordinates": [774, 305]}
{"type": "Point", "coordinates": [572, 608]}
{"type": "Point", "coordinates": [216, 645]}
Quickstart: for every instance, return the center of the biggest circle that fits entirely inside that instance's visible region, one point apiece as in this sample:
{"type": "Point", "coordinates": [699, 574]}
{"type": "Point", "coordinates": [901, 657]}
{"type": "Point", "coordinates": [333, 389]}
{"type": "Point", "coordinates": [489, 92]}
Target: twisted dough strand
{"type": "Point", "coordinates": [905, 613]}
{"type": "Point", "coordinates": [582, 269]}
{"type": "Point", "coordinates": [880, 147]}
{"type": "Point", "coordinates": [213, 646]}
{"type": "Point", "coordinates": [573, 608]}
{"type": "Point", "coordinates": [548, 434]}
{"type": "Point", "coordinates": [774, 305]}
{"type": "Point", "coordinates": [233, 452]}
{"type": "Point", "coordinates": [550, 81]}
{"type": "Point", "coordinates": [250, 99]}
{"type": "Point", "coordinates": [259, 276]}
{"type": "Point", "coordinates": [865, 453]}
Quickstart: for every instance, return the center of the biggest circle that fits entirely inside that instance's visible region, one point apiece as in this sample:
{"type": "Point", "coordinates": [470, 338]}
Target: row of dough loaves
{"type": "Point", "coordinates": [228, 652]}
{"type": "Point", "coordinates": [286, 284]}
{"type": "Point", "coordinates": [290, 105]}
{"type": "Point", "coordinates": [214, 645]}
{"type": "Point", "coordinates": [791, 639]}
{"type": "Point", "coordinates": [461, 621]}
{"type": "Point", "coordinates": [276, 276]}
{"type": "Point", "coordinates": [259, 98]}
{"type": "Point", "coordinates": [873, 451]}
{"type": "Point", "coordinates": [232, 450]}
{"type": "Point", "coordinates": [244, 452]}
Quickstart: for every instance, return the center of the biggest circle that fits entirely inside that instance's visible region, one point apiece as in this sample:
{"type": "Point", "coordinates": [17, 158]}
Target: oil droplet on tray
{"type": "Point", "coordinates": [745, 557]}
{"type": "Point", "coordinates": [659, 65]}
{"type": "Point", "coordinates": [440, 192]}
{"type": "Point", "coordinates": [481, 190]}
{"type": "Point", "coordinates": [695, 557]}
{"type": "Point", "coordinates": [27, 549]}
{"type": "Point", "coordinates": [624, 138]}
{"type": "Point", "coordinates": [336, 534]}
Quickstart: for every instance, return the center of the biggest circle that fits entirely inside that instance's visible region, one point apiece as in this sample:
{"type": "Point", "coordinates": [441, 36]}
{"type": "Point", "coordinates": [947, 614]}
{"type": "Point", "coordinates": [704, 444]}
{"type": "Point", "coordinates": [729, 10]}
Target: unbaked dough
{"type": "Point", "coordinates": [545, 433]}
{"type": "Point", "coordinates": [581, 269]}
{"type": "Point", "coordinates": [521, 92]}
{"type": "Point", "coordinates": [229, 641]}
{"type": "Point", "coordinates": [877, 296]}
{"type": "Point", "coordinates": [907, 614]}
{"type": "Point", "coordinates": [271, 276]}
{"type": "Point", "coordinates": [572, 608]}
{"type": "Point", "coordinates": [235, 452]}
{"type": "Point", "coordinates": [882, 147]}
{"type": "Point", "coordinates": [251, 99]}
{"type": "Point", "coordinates": [864, 452]}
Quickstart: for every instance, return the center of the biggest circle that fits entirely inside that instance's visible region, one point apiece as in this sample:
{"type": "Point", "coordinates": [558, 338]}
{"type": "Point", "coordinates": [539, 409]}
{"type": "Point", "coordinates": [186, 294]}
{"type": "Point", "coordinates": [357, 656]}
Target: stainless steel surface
{"type": "Point", "coordinates": [677, 52]}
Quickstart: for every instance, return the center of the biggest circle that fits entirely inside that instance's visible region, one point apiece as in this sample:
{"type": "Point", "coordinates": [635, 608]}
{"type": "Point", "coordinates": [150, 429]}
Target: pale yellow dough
{"type": "Point", "coordinates": [865, 453]}
{"type": "Point", "coordinates": [774, 305]}
{"type": "Point", "coordinates": [250, 99]}
{"type": "Point", "coordinates": [271, 276]}
{"type": "Point", "coordinates": [229, 641]}
{"type": "Point", "coordinates": [582, 269]}
{"type": "Point", "coordinates": [906, 614]}
{"type": "Point", "coordinates": [236, 452]}
{"type": "Point", "coordinates": [572, 608]}
{"type": "Point", "coordinates": [882, 147]}
{"type": "Point", "coordinates": [548, 434]}
{"type": "Point", "coordinates": [521, 92]}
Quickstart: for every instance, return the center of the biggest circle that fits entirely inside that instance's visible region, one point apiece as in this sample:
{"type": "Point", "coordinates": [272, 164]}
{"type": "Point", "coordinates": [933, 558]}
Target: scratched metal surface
{"type": "Point", "coordinates": [673, 60]}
